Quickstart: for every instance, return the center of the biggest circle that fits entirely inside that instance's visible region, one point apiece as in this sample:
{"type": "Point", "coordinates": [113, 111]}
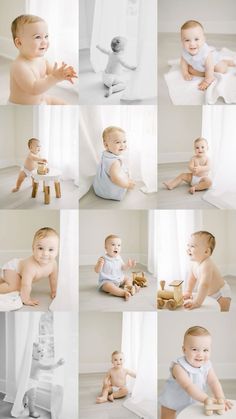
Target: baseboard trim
{"type": "Point", "coordinates": [84, 43]}
{"type": "Point", "coordinates": [4, 163]}
{"type": "Point", "coordinates": [2, 386]}
{"type": "Point", "coordinates": [210, 27]}
{"type": "Point", "coordinates": [178, 157]}
{"type": "Point", "coordinates": [93, 368]}
{"type": "Point", "coordinates": [7, 48]}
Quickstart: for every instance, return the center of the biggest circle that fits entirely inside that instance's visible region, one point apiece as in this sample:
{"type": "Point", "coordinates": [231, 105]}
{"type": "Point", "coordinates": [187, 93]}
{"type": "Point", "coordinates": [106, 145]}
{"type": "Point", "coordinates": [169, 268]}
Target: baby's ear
{"type": "Point", "coordinates": [17, 42]}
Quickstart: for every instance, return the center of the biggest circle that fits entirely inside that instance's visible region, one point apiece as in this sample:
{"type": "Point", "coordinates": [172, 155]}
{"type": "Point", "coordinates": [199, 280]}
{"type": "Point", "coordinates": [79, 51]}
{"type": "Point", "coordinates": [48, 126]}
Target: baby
{"type": "Point", "coordinates": [114, 384]}
{"type": "Point", "coordinates": [210, 282]}
{"type": "Point", "coordinates": [112, 178]}
{"type": "Point", "coordinates": [19, 274]}
{"type": "Point", "coordinates": [36, 368]}
{"type": "Point", "coordinates": [30, 163]}
{"type": "Point", "coordinates": [111, 267]}
{"type": "Point", "coordinates": [199, 167]}
{"type": "Point", "coordinates": [112, 76]}
{"type": "Point", "coordinates": [198, 59]}
{"type": "Point", "coordinates": [190, 375]}
{"type": "Point", "coordinates": [31, 74]}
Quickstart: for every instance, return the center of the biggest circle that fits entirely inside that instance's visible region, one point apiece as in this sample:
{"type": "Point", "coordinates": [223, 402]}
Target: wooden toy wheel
{"type": "Point", "coordinates": [171, 304]}
{"type": "Point", "coordinates": [160, 303]}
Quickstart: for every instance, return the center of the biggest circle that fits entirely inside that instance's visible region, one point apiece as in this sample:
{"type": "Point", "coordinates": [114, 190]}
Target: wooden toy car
{"type": "Point", "coordinates": [42, 168]}
{"type": "Point", "coordinates": [210, 406]}
{"type": "Point", "coordinates": [170, 299]}
{"type": "Point", "coordinates": [139, 279]}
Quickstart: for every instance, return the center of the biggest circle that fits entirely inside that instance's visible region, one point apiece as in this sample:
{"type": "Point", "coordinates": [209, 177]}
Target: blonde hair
{"type": "Point", "coordinates": [44, 232]}
{"type": "Point", "coordinates": [191, 24]}
{"type": "Point", "coordinates": [211, 241]}
{"type": "Point", "coordinates": [196, 331]}
{"type": "Point", "coordinates": [21, 20]}
{"type": "Point", "coordinates": [31, 140]}
{"type": "Point", "coordinates": [111, 236]}
{"type": "Point", "coordinates": [200, 139]}
{"type": "Point", "coordinates": [107, 131]}
{"type": "Point", "coordinates": [116, 353]}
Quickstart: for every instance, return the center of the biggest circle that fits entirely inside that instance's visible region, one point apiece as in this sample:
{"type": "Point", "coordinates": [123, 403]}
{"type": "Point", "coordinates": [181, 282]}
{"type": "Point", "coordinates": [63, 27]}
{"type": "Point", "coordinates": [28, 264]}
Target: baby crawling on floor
{"type": "Point", "coordinates": [199, 166]}
{"type": "Point", "coordinates": [111, 268]}
{"type": "Point", "coordinates": [20, 274]}
{"type": "Point", "coordinates": [114, 384]}
{"type": "Point", "coordinates": [30, 163]}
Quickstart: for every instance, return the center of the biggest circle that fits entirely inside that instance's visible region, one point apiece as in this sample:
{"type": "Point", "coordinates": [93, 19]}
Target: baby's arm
{"type": "Point", "coordinates": [118, 179]}
{"type": "Point", "coordinates": [124, 64]}
{"type": "Point", "coordinates": [28, 274]}
{"type": "Point", "coordinates": [70, 72]}
{"type": "Point", "coordinates": [52, 366]}
{"type": "Point", "coordinates": [105, 51]}
{"type": "Point", "coordinates": [192, 165]}
{"type": "Point", "coordinates": [53, 280]}
{"type": "Point", "coordinates": [37, 158]}
{"type": "Point", "coordinates": [184, 381]}
{"type": "Point", "coordinates": [191, 282]}
{"type": "Point", "coordinates": [184, 69]}
{"type": "Point", "coordinates": [209, 73]}
{"type": "Point", "coordinates": [216, 388]}
{"type": "Point", "coordinates": [201, 170]}
{"type": "Point", "coordinates": [99, 265]}
{"type": "Point", "coordinates": [131, 373]}
{"type": "Point", "coordinates": [204, 281]}
{"type": "Point", "coordinates": [131, 263]}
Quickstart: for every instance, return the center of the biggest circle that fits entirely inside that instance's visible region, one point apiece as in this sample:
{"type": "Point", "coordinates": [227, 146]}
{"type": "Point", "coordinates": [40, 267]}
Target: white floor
{"type": "Point", "coordinates": [91, 88]}
{"type": "Point", "coordinates": [69, 95]}
{"type": "Point", "coordinates": [5, 411]}
{"type": "Point", "coordinates": [178, 198]}
{"type": "Point", "coordinates": [22, 199]}
{"type": "Point", "coordinates": [89, 389]}
{"type": "Point", "coordinates": [91, 299]}
{"type": "Point", "coordinates": [169, 48]}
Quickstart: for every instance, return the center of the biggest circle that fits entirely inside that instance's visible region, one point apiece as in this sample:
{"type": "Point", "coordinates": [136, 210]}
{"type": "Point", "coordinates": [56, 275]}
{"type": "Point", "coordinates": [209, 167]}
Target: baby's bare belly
{"type": "Point", "coordinates": [19, 97]}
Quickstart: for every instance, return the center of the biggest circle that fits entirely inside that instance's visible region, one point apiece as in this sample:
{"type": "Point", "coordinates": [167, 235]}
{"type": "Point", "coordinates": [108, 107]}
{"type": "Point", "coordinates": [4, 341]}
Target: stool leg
{"type": "Point", "coordinates": [44, 186]}
{"type": "Point", "coordinates": [34, 189]}
{"type": "Point", "coordinates": [47, 195]}
{"type": "Point", "coordinates": [57, 189]}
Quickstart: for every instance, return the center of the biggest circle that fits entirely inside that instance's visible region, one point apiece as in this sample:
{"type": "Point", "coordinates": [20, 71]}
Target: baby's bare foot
{"type": "Point", "coordinates": [126, 295]}
{"type": "Point", "coordinates": [137, 288]}
{"type": "Point", "coordinates": [101, 399]}
{"type": "Point", "coordinates": [192, 190]}
{"type": "Point", "coordinates": [15, 189]}
{"type": "Point", "coordinates": [109, 92]}
{"type": "Point", "coordinates": [111, 397]}
{"type": "Point", "coordinates": [231, 63]}
{"type": "Point", "coordinates": [168, 185]}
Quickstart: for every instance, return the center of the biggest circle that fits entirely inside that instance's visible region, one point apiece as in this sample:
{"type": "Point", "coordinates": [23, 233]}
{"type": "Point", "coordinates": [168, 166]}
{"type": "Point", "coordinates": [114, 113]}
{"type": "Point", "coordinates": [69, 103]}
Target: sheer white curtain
{"type": "Point", "coordinates": [152, 242]}
{"type": "Point", "coordinates": [140, 124]}
{"type": "Point", "coordinates": [62, 18]}
{"type": "Point", "coordinates": [173, 229]}
{"type": "Point", "coordinates": [219, 128]}
{"type": "Point", "coordinates": [67, 290]}
{"type": "Point", "coordinates": [64, 395]}
{"type": "Point", "coordinates": [137, 21]}
{"type": "Point", "coordinates": [139, 344]}
{"type": "Point", "coordinates": [21, 332]}
{"type": "Point", "coordinates": [57, 129]}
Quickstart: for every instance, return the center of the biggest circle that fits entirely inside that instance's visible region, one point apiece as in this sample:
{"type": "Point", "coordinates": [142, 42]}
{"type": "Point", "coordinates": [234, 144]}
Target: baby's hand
{"type": "Point", "coordinates": [133, 68]}
{"type": "Point", "coordinates": [131, 263]}
{"type": "Point", "coordinates": [31, 302]}
{"type": "Point", "coordinates": [101, 262]}
{"type": "Point", "coordinates": [205, 84]}
{"type": "Point", "coordinates": [44, 160]}
{"type": "Point", "coordinates": [53, 294]}
{"type": "Point", "coordinates": [187, 295]}
{"type": "Point", "coordinates": [228, 404]}
{"type": "Point", "coordinates": [190, 304]}
{"type": "Point", "coordinates": [131, 184]}
{"type": "Point", "coordinates": [187, 76]}
{"type": "Point", "coordinates": [61, 361]}
{"type": "Point", "coordinates": [64, 72]}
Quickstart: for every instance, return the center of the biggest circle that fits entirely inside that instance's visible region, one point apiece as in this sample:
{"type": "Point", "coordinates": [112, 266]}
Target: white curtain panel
{"type": "Point", "coordinates": [64, 395]}
{"type": "Point", "coordinates": [140, 124]}
{"type": "Point", "coordinates": [219, 128]}
{"type": "Point", "coordinates": [139, 345]}
{"type": "Point", "coordinates": [21, 332]}
{"type": "Point", "coordinates": [152, 242]}
{"type": "Point", "coordinates": [67, 290]}
{"type": "Point", "coordinates": [62, 19]}
{"type": "Point", "coordinates": [173, 230]}
{"type": "Point", "coordinates": [57, 129]}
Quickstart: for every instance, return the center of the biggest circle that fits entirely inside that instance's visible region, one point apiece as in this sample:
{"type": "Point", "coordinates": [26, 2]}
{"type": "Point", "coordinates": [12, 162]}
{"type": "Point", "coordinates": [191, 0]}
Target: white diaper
{"type": "Point", "coordinates": [110, 79]}
{"type": "Point", "coordinates": [225, 292]}
{"type": "Point", "coordinates": [32, 383]}
{"type": "Point", "coordinates": [12, 264]}
{"type": "Point", "coordinates": [195, 180]}
{"type": "Point", "coordinates": [10, 301]}
{"type": "Point", "coordinates": [27, 172]}
{"type": "Point", "coordinates": [114, 389]}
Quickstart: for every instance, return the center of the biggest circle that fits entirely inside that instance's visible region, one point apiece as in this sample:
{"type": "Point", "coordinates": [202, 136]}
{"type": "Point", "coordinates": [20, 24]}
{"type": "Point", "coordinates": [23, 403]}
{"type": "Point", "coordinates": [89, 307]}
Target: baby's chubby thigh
{"type": "Point", "coordinates": [13, 279]}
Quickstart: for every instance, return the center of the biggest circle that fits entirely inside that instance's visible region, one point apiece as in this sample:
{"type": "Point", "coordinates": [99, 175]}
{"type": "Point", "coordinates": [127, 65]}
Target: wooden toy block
{"type": "Point", "coordinates": [139, 279]}
{"type": "Point", "coordinates": [170, 299]}
{"type": "Point", "coordinates": [210, 406]}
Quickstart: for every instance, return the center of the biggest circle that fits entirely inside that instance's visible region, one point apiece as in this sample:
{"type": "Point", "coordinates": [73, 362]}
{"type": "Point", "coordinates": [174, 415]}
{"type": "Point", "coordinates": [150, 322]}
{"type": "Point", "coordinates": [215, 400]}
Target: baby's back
{"type": "Point", "coordinates": [29, 163]}
{"type": "Point", "coordinates": [114, 65]}
{"type": "Point", "coordinates": [208, 269]}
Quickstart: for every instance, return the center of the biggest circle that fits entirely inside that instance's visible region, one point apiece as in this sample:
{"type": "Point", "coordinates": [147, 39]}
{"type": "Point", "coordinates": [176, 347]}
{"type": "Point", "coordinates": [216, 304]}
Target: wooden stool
{"type": "Point", "coordinates": [53, 175]}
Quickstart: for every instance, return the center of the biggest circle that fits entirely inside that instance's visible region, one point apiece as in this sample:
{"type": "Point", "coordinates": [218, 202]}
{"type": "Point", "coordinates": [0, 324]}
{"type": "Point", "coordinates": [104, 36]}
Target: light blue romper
{"type": "Point", "coordinates": [198, 61]}
{"type": "Point", "coordinates": [111, 271]}
{"type": "Point", "coordinates": [102, 184]}
{"type": "Point", "coordinates": [173, 396]}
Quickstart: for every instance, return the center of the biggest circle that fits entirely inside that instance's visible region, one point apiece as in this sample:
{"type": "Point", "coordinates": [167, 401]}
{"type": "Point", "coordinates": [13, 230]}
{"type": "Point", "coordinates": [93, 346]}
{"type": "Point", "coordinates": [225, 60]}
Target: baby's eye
{"type": "Point", "coordinates": [46, 36]}
{"type": "Point", "coordinates": [37, 37]}
{"type": "Point", "coordinates": [194, 349]}
{"type": "Point", "coordinates": [40, 248]}
{"type": "Point", "coordinates": [206, 350]}
{"type": "Point", "coordinates": [51, 250]}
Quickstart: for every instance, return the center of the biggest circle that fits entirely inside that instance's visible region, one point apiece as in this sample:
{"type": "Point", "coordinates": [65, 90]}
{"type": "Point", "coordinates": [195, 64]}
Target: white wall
{"type": "Point", "coordinates": [24, 130]}
{"type": "Point", "coordinates": [231, 228]}
{"type": "Point", "coordinates": [86, 10]}
{"type": "Point", "coordinates": [221, 327]}
{"type": "Point", "coordinates": [7, 136]}
{"type": "Point", "coordinates": [9, 10]}
{"type": "Point", "coordinates": [2, 352]}
{"type": "Point", "coordinates": [178, 127]}
{"type": "Point", "coordinates": [130, 225]}
{"type": "Point", "coordinates": [100, 335]}
{"type": "Point", "coordinates": [217, 16]}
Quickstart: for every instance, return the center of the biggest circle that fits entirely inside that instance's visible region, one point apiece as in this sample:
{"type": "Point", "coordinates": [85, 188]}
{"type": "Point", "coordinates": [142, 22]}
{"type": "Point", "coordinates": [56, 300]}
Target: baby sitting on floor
{"type": "Point", "coordinates": [205, 274]}
{"type": "Point", "coordinates": [114, 384]}
{"type": "Point", "coordinates": [111, 267]}
{"type": "Point", "coordinates": [36, 367]}
{"type": "Point", "coordinates": [199, 167]}
{"type": "Point", "coordinates": [198, 58]}
{"type": "Point", "coordinates": [112, 76]}
{"type": "Point", "coordinates": [30, 163]}
{"type": "Point", "coordinates": [112, 178]}
{"type": "Point", "coordinates": [31, 75]}
{"type": "Point", "coordinates": [19, 274]}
